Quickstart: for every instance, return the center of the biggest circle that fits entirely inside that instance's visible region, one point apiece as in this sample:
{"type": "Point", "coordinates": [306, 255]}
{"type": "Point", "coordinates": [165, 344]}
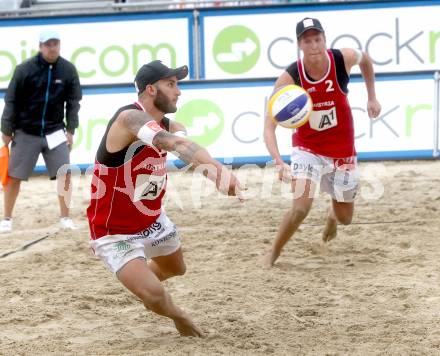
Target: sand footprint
{"type": "Point", "coordinates": [404, 245]}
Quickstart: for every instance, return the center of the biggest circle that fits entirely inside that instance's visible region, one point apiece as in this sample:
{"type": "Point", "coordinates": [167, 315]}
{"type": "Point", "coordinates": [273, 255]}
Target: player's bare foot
{"type": "Point", "coordinates": [269, 258]}
{"type": "Point", "coordinates": [330, 230]}
{"type": "Point", "coordinates": [186, 327]}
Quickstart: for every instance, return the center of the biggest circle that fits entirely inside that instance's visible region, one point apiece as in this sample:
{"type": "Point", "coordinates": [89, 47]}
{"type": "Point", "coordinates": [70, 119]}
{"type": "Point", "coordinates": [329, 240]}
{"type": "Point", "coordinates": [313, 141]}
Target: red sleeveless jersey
{"type": "Point", "coordinates": [126, 192]}
{"type": "Point", "coordinates": [329, 131]}
{"type": "Point", "coordinates": [127, 199]}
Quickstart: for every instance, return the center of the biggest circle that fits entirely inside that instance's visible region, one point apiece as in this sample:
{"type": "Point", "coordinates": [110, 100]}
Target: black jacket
{"type": "Point", "coordinates": [35, 107]}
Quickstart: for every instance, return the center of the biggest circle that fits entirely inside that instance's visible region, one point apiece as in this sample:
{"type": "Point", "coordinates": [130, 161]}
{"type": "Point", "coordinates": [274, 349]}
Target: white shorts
{"type": "Point", "coordinates": [160, 239]}
{"type": "Point", "coordinates": [338, 177]}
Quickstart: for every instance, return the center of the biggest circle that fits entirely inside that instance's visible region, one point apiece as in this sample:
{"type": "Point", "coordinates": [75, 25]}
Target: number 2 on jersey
{"type": "Point", "coordinates": [329, 86]}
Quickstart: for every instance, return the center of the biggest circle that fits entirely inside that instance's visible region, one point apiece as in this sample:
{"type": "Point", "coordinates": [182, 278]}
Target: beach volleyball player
{"type": "Point", "coordinates": [323, 148]}
{"type": "Point", "coordinates": [127, 225]}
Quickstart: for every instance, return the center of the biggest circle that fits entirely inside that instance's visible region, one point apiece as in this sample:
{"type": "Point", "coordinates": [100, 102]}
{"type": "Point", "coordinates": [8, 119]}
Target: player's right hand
{"type": "Point", "coordinates": [229, 184]}
{"type": "Point", "coordinates": [284, 172]}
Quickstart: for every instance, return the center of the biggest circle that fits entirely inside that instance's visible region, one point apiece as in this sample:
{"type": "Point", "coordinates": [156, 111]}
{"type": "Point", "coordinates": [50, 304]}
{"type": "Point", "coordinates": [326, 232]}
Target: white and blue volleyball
{"type": "Point", "coordinates": [290, 106]}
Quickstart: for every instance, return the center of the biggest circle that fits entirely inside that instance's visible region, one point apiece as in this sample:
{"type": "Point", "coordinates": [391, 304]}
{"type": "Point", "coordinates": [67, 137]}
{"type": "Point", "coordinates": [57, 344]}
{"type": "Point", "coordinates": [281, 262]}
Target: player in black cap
{"type": "Point", "coordinates": [129, 230]}
{"type": "Point", "coordinates": [323, 154]}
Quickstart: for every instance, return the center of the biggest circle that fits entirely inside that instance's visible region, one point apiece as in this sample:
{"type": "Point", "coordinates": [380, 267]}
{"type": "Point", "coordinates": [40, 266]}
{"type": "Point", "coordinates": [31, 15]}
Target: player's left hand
{"type": "Point", "coordinates": [373, 108]}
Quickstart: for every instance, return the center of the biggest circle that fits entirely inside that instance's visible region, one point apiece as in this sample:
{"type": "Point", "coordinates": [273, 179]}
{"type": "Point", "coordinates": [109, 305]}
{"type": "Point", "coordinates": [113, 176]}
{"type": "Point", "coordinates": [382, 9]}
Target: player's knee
{"type": "Point", "coordinates": [345, 219]}
{"type": "Point", "coordinates": [182, 269]}
{"type": "Point", "coordinates": [179, 270]}
{"type": "Point", "coordinates": [299, 213]}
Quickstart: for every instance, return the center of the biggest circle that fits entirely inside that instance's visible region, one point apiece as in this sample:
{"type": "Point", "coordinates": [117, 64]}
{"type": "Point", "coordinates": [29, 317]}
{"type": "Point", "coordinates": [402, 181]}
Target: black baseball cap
{"type": "Point", "coordinates": [152, 72]}
{"type": "Point", "coordinates": [306, 24]}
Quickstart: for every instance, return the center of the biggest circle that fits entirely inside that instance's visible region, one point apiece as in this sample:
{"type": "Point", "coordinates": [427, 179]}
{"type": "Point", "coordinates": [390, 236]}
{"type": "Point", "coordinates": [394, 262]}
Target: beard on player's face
{"type": "Point", "coordinates": [163, 103]}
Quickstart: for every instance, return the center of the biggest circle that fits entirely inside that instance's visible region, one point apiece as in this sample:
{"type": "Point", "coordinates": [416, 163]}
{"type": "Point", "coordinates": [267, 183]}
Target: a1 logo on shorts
{"type": "Point", "coordinates": [321, 120]}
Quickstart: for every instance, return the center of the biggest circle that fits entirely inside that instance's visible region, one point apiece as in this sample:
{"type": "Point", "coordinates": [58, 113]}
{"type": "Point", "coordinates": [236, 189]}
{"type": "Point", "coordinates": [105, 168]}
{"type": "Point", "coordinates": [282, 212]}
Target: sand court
{"type": "Point", "coordinates": [373, 290]}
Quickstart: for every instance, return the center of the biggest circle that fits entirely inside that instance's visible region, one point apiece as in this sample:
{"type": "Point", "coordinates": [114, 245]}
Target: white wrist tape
{"type": "Point", "coordinates": [180, 133]}
{"type": "Point", "coordinates": [147, 132]}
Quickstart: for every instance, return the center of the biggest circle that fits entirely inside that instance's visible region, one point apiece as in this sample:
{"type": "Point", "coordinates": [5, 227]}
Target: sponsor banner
{"type": "Point", "coordinates": [406, 120]}
{"type": "Point", "coordinates": [105, 49]}
{"type": "Point", "coordinates": [403, 37]}
{"type": "Point", "coordinates": [228, 121]}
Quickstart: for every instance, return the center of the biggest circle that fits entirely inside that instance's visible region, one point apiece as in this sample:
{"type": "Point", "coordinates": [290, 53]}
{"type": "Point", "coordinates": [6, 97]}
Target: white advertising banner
{"type": "Point", "coordinates": [96, 111]}
{"type": "Point", "coordinates": [406, 120]}
{"type": "Point", "coordinates": [399, 37]}
{"type": "Point", "coordinates": [228, 121]}
{"type": "Point", "coordinates": [104, 50]}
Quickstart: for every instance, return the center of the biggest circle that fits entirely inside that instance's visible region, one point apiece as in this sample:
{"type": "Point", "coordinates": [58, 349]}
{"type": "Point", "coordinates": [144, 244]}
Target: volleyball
{"type": "Point", "coordinates": [290, 106]}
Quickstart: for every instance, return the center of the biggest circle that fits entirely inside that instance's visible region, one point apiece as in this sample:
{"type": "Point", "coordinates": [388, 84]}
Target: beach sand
{"type": "Point", "coordinates": [373, 290]}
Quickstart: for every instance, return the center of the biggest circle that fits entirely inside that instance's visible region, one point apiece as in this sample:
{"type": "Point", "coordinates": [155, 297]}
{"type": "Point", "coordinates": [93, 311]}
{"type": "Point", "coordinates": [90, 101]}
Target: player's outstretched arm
{"type": "Point", "coordinates": [191, 153]}
{"type": "Point", "coordinates": [269, 135]}
{"type": "Point", "coordinates": [133, 125]}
